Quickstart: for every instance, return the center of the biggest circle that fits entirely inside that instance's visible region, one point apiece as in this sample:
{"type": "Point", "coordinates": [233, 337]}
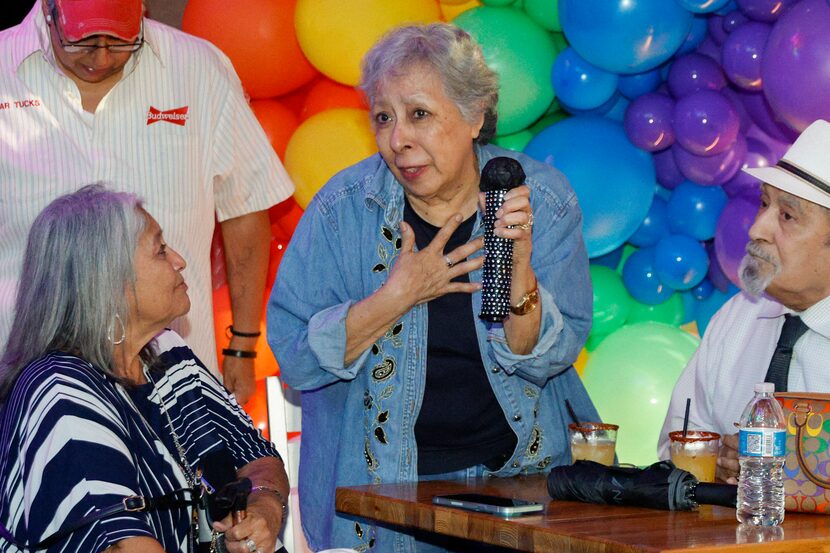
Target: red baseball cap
{"type": "Point", "coordinates": [83, 18]}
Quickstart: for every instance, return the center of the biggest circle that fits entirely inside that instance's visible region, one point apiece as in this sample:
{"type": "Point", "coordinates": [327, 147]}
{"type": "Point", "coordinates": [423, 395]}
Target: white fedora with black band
{"type": "Point", "coordinates": [804, 171]}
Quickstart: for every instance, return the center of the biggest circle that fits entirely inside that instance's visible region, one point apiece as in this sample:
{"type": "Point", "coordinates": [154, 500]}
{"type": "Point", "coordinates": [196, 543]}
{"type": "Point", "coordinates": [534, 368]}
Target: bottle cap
{"type": "Point", "coordinates": [764, 388]}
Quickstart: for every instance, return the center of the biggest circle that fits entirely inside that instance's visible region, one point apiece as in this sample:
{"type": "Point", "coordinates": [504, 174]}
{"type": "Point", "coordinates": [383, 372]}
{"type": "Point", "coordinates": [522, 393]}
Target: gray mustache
{"type": "Point", "coordinates": [754, 249]}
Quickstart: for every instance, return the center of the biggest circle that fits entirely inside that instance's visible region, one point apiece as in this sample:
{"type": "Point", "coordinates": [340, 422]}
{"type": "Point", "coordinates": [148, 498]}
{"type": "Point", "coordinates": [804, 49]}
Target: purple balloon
{"type": "Point", "coordinates": [742, 54]}
{"type": "Point", "coordinates": [668, 174]}
{"type": "Point", "coordinates": [795, 67]}
{"type": "Point", "coordinates": [705, 123]}
{"type": "Point", "coordinates": [743, 115]}
{"type": "Point", "coordinates": [716, 31]}
{"type": "Point", "coordinates": [732, 234]}
{"type": "Point", "coordinates": [648, 122]}
{"type": "Point", "coordinates": [716, 274]}
{"type": "Point", "coordinates": [762, 115]}
{"type": "Point", "coordinates": [710, 49]}
{"type": "Point", "coordinates": [710, 170]}
{"type": "Point", "coordinates": [694, 72]}
{"type": "Point", "coordinates": [777, 147]}
{"type": "Point", "coordinates": [764, 10]}
{"type": "Point", "coordinates": [733, 20]}
{"type": "Point", "coordinates": [758, 154]}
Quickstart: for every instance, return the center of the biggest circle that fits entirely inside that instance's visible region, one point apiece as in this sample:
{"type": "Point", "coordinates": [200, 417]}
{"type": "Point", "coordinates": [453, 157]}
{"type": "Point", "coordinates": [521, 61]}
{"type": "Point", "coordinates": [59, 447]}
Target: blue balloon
{"type": "Point", "coordinates": [708, 307]}
{"type": "Point", "coordinates": [614, 180]}
{"type": "Point", "coordinates": [689, 306]}
{"type": "Point", "coordinates": [693, 210]}
{"type": "Point", "coordinates": [655, 225]}
{"type": "Point", "coordinates": [680, 261]}
{"type": "Point", "coordinates": [703, 290]}
{"type": "Point", "coordinates": [580, 84]}
{"type": "Point", "coordinates": [617, 111]}
{"type": "Point", "coordinates": [637, 84]}
{"type": "Point", "coordinates": [700, 27]}
{"type": "Point", "coordinates": [610, 260]}
{"type": "Point", "coordinates": [625, 36]}
{"type": "Point", "coordinates": [703, 6]}
{"type": "Point", "coordinates": [641, 280]}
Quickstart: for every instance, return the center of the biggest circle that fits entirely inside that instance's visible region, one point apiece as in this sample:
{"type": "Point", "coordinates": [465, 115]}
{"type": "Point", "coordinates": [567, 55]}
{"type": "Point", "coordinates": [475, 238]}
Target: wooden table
{"type": "Point", "coordinates": [576, 527]}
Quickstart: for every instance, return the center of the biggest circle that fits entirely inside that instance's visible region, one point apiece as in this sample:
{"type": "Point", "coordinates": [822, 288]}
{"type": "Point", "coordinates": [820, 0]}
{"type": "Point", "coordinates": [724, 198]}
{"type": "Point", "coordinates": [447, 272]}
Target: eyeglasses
{"type": "Point", "coordinates": [87, 46]}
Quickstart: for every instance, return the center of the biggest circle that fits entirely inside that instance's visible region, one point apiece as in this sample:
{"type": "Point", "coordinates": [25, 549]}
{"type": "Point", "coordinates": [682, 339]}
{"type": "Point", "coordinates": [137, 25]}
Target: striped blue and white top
{"type": "Point", "coordinates": [72, 440]}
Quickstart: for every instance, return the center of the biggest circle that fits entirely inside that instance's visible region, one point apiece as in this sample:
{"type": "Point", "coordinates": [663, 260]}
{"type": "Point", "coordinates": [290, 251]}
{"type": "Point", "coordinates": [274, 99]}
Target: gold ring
{"type": "Point", "coordinates": [529, 223]}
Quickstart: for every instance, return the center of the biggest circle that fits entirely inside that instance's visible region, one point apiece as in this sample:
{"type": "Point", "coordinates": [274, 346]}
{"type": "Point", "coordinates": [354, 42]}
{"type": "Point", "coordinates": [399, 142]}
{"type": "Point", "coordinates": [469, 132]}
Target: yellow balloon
{"type": "Point", "coordinates": [334, 35]}
{"type": "Point", "coordinates": [324, 144]}
{"type": "Point", "coordinates": [581, 361]}
{"type": "Point", "coordinates": [451, 10]}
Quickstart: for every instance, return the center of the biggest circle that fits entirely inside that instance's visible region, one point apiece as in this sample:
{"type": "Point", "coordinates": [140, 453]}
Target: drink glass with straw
{"type": "Point", "coordinates": [591, 441]}
{"type": "Point", "coordinates": [695, 451]}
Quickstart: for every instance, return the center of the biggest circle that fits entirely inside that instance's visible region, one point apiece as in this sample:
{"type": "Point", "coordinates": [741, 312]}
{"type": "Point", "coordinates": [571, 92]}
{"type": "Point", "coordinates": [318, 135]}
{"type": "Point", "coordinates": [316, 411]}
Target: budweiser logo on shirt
{"type": "Point", "coordinates": [176, 116]}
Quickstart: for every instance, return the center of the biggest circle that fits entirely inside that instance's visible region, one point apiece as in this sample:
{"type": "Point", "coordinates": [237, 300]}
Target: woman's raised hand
{"type": "Point", "coordinates": [423, 275]}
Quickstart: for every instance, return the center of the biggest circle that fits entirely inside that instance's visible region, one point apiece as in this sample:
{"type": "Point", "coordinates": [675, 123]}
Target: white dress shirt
{"type": "Point", "coordinates": [734, 356]}
{"type": "Point", "coordinates": [176, 130]}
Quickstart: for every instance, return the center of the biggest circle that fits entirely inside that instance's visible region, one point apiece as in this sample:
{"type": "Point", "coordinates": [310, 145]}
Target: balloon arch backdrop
{"type": "Point", "coordinates": [650, 107]}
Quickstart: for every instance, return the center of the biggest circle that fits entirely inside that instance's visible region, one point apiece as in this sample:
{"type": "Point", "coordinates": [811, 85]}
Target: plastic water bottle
{"type": "Point", "coordinates": [762, 440]}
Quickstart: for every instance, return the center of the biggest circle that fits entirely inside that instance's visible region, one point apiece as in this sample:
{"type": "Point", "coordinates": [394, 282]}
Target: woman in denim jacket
{"type": "Point", "coordinates": [374, 315]}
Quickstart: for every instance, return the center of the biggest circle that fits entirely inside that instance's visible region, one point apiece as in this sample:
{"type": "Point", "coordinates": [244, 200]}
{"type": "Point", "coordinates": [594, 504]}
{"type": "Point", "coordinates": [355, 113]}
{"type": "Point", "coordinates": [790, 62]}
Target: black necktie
{"type": "Point", "coordinates": [779, 366]}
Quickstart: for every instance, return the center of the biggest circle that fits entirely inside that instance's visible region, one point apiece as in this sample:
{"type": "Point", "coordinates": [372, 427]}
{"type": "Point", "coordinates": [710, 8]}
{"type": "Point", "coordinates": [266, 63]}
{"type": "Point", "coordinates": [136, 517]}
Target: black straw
{"type": "Point", "coordinates": [578, 424]}
{"type": "Point", "coordinates": [686, 416]}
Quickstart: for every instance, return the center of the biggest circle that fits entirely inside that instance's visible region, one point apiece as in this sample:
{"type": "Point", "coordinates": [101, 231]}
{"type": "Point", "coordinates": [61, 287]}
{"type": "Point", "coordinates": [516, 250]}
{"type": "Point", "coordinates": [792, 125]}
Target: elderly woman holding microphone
{"type": "Point", "coordinates": [106, 418]}
{"type": "Point", "coordinates": [374, 315]}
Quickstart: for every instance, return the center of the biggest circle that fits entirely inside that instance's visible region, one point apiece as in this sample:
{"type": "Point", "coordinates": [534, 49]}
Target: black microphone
{"type": "Point", "coordinates": [499, 175]}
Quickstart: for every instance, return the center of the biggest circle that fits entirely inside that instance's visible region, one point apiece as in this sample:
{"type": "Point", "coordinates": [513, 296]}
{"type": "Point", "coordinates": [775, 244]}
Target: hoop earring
{"type": "Point", "coordinates": [112, 328]}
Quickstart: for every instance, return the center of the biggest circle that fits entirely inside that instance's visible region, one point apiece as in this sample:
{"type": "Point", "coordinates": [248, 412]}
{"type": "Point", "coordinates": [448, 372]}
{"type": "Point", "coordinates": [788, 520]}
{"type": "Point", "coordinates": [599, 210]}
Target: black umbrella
{"type": "Point", "coordinates": [659, 486]}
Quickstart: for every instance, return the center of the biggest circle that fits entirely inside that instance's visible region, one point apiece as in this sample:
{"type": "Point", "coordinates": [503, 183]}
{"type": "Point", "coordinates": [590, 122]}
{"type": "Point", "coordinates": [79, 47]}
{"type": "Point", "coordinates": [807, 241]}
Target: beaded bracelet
{"type": "Point", "coordinates": [231, 331]}
{"type": "Point", "coordinates": [276, 492]}
{"type": "Point", "coordinates": [244, 354]}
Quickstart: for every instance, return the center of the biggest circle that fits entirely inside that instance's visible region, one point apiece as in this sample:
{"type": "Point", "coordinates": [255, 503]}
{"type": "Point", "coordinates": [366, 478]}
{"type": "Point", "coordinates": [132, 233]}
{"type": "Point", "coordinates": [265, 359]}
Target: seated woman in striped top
{"type": "Point", "coordinates": [99, 402]}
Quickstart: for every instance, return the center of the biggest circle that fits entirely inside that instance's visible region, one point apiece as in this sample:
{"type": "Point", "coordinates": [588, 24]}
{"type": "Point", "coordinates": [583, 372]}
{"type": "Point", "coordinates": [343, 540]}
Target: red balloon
{"type": "Point", "coordinates": [327, 94]}
{"type": "Point", "coordinates": [259, 38]}
{"type": "Point", "coordinates": [278, 122]}
{"type": "Point", "coordinates": [284, 218]}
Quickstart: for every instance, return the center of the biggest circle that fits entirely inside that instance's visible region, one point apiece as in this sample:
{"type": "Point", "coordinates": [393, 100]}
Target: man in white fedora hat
{"type": "Point", "coordinates": [778, 328]}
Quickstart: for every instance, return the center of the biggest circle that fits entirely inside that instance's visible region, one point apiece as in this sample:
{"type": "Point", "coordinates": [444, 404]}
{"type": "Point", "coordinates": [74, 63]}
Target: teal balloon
{"type": "Point", "coordinates": [670, 312]}
{"type": "Point", "coordinates": [522, 53]}
{"type": "Point", "coordinates": [611, 300]}
{"type": "Point", "coordinates": [625, 36]}
{"type": "Point", "coordinates": [614, 180]}
{"type": "Point", "coordinates": [544, 12]}
{"type": "Point", "coordinates": [630, 377]}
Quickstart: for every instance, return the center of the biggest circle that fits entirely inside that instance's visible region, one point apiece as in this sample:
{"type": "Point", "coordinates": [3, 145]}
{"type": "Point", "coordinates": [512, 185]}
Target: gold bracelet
{"type": "Point", "coordinates": [276, 492]}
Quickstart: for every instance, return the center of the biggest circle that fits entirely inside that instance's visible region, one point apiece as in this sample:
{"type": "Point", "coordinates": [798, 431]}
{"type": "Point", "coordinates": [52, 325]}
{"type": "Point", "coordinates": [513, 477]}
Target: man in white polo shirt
{"type": "Point", "coordinates": [778, 329]}
{"type": "Point", "coordinates": [91, 91]}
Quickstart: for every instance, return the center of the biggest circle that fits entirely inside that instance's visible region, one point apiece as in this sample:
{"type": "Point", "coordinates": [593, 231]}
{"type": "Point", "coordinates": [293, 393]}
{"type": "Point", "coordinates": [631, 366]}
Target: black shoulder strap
{"type": "Point", "coordinates": [133, 503]}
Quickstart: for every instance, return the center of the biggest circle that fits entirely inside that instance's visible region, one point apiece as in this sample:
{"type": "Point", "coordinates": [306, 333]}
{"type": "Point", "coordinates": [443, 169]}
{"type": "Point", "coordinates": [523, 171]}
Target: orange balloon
{"type": "Point", "coordinates": [579, 365]}
{"type": "Point", "coordinates": [327, 94]}
{"type": "Point", "coordinates": [259, 38]}
{"type": "Point", "coordinates": [452, 9]}
{"type": "Point", "coordinates": [257, 409]}
{"type": "Point", "coordinates": [277, 250]}
{"type": "Point", "coordinates": [265, 364]}
{"type": "Point", "coordinates": [295, 99]}
{"type": "Point", "coordinates": [278, 122]}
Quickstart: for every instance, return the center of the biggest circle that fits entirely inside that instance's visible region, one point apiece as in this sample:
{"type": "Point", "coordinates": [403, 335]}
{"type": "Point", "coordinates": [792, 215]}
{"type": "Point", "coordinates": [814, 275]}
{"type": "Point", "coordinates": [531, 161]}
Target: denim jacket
{"type": "Point", "coordinates": [359, 419]}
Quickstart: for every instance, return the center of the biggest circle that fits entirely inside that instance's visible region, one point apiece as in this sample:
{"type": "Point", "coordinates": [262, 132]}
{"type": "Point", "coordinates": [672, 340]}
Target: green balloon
{"type": "Point", "coordinates": [630, 377]}
{"type": "Point", "coordinates": [546, 121]}
{"type": "Point", "coordinates": [544, 13]}
{"type": "Point", "coordinates": [628, 249]}
{"type": "Point", "coordinates": [516, 141]}
{"type": "Point", "coordinates": [559, 41]}
{"type": "Point", "coordinates": [670, 312]}
{"type": "Point", "coordinates": [594, 340]}
{"type": "Point", "coordinates": [522, 53]}
{"type": "Point", "coordinates": [612, 301]}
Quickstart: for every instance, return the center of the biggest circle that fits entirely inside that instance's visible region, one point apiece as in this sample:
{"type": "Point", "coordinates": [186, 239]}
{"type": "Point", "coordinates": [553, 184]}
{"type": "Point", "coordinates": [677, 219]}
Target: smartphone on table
{"type": "Point", "coordinates": [492, 504]}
